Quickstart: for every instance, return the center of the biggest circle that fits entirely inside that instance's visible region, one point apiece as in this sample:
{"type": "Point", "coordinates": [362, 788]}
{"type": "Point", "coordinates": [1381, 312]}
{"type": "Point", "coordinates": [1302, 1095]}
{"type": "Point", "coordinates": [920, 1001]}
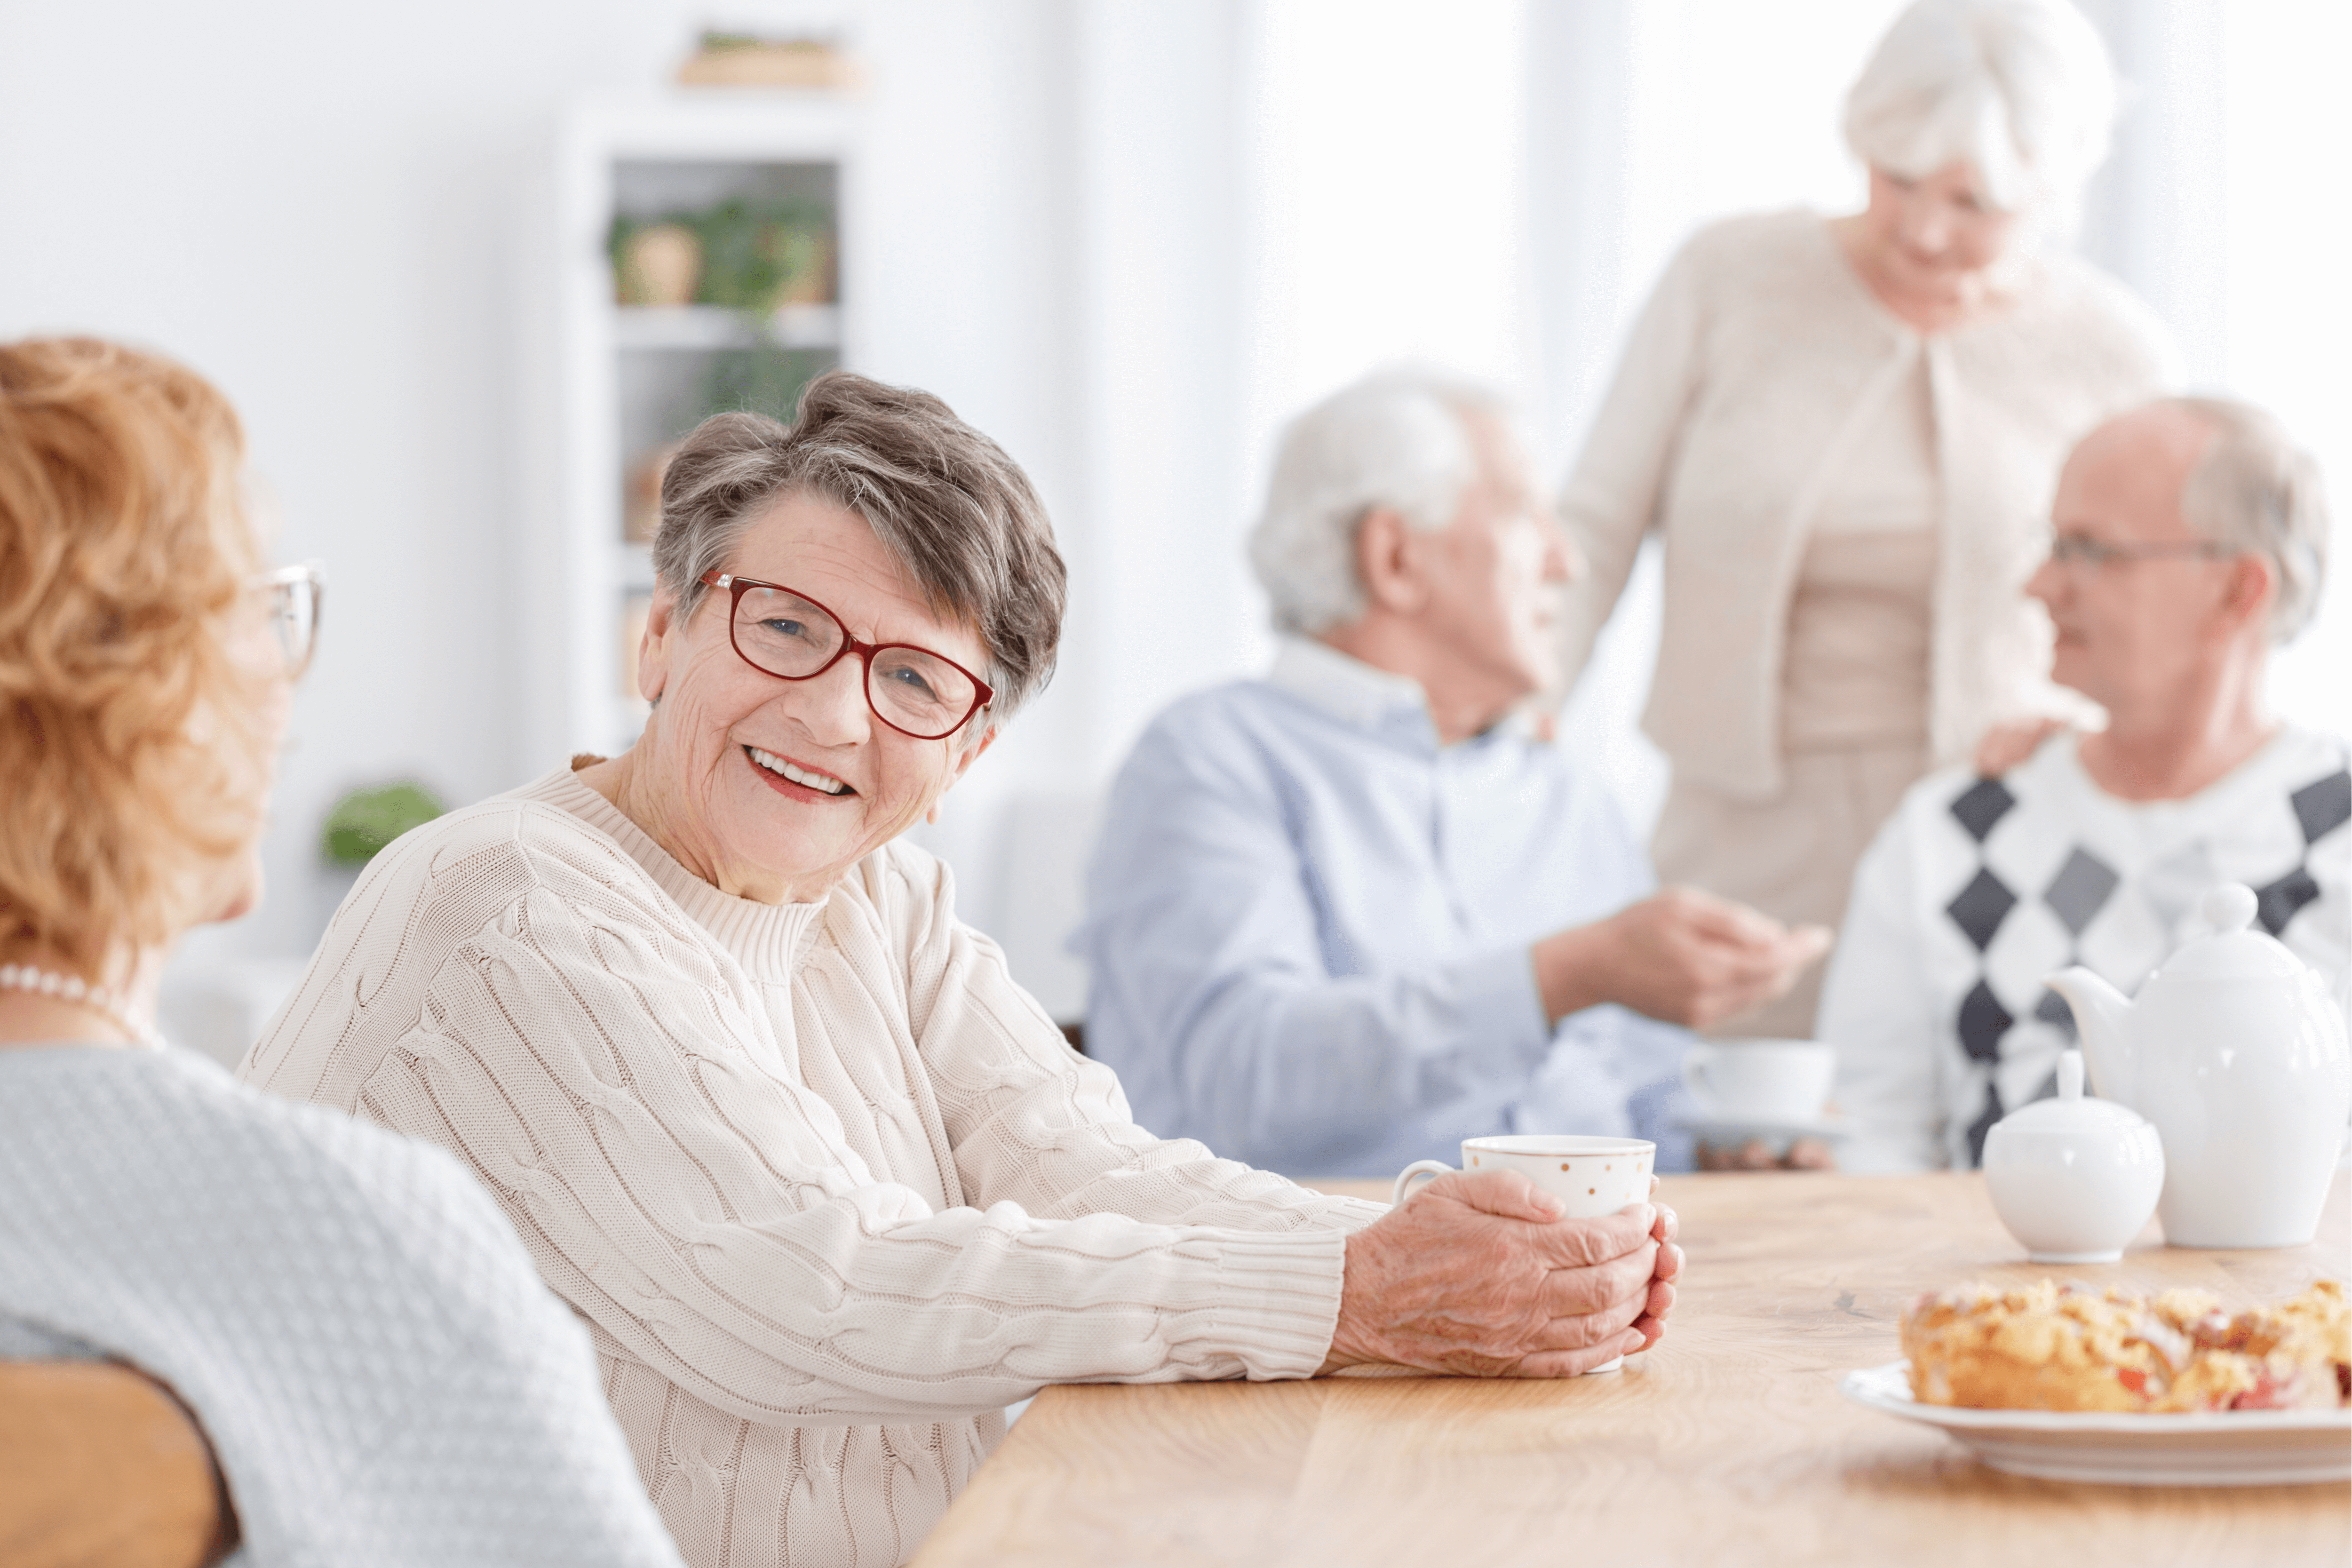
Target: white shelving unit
{"type": "Point", "coordinates": [604, 383]}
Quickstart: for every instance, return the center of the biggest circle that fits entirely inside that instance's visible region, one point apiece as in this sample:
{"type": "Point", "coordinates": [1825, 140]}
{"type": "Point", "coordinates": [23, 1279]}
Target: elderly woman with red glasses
{"type": "Point", "coordinates": [829, 1188]}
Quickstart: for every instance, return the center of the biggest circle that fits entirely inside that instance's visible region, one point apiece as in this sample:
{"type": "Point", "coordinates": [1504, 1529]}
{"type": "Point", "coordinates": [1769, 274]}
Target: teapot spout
{"type": "Point", "coordinates": [2100, 1010]}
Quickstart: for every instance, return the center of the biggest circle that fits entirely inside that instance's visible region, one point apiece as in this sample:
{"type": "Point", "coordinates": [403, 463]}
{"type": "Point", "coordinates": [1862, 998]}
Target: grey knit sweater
{"type": "Point", "coordinates": [382, 1376]}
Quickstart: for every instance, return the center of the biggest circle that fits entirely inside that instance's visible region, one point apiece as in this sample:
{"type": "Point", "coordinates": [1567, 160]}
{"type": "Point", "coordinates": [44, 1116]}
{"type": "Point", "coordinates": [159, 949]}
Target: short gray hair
{"type": "Point", "coordinates": [2256, 489]}
{"type": "Point", "coordinates": [944, 499]}
{"type": "Point", "coordinates": [1394, 439]}
{"type": "Point", "coordinates": [2022, 89]}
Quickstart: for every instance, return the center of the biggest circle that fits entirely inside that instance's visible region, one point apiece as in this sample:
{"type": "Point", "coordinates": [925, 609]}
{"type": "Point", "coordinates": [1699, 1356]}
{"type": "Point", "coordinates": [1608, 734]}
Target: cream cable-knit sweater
{"type": "Point", "coordinates": [828, 1186]}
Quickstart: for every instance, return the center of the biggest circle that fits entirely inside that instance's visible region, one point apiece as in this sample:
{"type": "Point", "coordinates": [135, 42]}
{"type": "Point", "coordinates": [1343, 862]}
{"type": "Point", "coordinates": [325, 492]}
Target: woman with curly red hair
{"type": "Point", "coordinates": [355, 1328]}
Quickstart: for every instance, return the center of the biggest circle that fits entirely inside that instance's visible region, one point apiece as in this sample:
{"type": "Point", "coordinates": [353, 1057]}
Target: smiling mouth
{"type": "Point", "coordinates": [807, 778]}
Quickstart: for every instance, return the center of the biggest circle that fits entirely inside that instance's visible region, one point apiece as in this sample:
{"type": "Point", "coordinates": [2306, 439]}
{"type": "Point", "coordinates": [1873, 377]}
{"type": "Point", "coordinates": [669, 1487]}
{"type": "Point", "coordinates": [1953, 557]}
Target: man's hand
{"type": "Point", "coordinates": [1803, 1154]}
{"type": "Point", "coordinates": [1682, 955]}
{"type": "Point", "coordinates": [1477, 1274]}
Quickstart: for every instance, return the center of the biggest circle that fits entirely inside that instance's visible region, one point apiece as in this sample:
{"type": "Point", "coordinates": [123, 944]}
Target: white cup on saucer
{"type": "Point", "coordinates": [1593, 1176]}
{"type": "Point", "coordinates": [1783, 1082]}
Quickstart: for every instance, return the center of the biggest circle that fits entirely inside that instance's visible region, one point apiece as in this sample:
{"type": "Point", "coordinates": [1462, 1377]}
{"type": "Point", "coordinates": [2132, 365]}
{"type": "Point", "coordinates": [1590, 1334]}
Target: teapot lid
{"type": "Point", "coordinates": [2072, 1111]}
{"type": "Point", "coordinates": [2230, 951]}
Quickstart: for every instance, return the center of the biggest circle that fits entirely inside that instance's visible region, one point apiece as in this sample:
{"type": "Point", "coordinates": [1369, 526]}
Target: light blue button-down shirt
{"type": "Point", "coordinates": [1307, 930]}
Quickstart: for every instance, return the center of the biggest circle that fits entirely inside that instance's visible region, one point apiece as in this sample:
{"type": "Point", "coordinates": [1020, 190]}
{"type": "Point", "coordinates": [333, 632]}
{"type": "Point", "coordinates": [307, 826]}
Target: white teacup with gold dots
{"type": "Point", "coordinates": [1593, 1176]}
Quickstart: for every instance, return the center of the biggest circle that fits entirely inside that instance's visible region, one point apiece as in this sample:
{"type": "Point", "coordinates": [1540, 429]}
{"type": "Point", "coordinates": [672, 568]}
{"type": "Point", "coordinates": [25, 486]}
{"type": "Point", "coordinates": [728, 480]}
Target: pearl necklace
{"type": "Point", "coordinates": [72, 989]}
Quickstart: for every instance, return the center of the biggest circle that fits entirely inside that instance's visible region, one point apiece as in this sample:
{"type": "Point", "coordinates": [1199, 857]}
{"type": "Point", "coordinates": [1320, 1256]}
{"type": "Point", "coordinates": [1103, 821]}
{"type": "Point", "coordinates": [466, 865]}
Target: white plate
{"type": "Point", "coordinates": [2223, 1449]}
{"type": "Point", "coordinates": [1740, 1129]}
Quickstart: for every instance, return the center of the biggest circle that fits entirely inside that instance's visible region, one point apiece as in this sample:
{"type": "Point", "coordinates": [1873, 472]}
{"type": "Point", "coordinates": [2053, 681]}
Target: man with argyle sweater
{"type": "Point", "coordinates": [2190, 535]}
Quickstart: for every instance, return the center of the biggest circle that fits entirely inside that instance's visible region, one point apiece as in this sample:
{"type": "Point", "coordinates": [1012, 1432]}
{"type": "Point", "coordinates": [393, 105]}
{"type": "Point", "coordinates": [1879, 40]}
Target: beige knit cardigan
{"type": "Point", "coordinates": [1757, 363]}
{"type": "Point", "coordinates": [827, 1186]}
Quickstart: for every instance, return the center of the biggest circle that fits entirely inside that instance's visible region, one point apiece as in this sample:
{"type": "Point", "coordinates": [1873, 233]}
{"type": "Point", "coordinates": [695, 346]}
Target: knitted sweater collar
{"type": "Point", "coordinates": [768, 939]}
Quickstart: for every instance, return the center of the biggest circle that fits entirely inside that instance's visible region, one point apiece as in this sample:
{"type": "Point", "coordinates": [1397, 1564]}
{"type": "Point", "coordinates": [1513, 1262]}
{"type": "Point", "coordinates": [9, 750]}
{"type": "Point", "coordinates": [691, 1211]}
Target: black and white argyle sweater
{"type": "Point", "coordinates": [1977, 890]}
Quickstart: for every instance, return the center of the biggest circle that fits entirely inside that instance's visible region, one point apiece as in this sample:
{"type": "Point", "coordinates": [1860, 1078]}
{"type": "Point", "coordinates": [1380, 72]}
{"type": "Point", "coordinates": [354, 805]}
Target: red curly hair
{"type": "Point", "coordinates": [129, 740]}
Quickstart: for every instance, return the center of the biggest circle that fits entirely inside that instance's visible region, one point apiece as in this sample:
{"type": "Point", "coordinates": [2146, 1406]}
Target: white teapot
{"type": "Point", "coordinates": [2237, 1053]}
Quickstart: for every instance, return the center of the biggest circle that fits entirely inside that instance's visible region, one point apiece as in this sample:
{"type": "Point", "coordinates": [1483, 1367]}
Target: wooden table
{"type": "Point", "coordinates": [1728, 1443]}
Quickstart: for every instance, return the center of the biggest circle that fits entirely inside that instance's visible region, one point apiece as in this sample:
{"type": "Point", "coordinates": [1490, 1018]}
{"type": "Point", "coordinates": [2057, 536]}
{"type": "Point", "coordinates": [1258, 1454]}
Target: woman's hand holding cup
{"type": "Point", "coordinates": [1487, 1274]}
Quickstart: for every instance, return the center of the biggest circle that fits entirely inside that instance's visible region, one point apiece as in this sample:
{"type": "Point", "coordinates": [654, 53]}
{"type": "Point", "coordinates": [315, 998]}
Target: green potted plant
{"type": "Point", "coordinates": [362, 822]}
{"type": "Point", "coordinates": [752, 256]}
{"type": "Point", "coordinates": [359, 826]}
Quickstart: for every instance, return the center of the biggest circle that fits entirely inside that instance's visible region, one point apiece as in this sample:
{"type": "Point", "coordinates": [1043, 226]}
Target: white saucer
{"type": "Point", "coordinates": [1722, 1130]}
{"type": "Point", "coordinates": [2222, 1448]}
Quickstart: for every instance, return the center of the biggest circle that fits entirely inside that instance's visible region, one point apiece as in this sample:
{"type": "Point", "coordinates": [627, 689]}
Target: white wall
{"type": "Point", "coordinates": [1392, 190]}
{"type": "Point", "coordinates": [2285, 310]}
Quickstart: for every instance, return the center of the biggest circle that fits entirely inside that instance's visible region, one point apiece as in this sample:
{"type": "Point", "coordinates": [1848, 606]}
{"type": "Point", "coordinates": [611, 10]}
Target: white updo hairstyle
{"type": "Point", "coordinates": [2021, 88]}
{"type": "Point", "coordinates": [1394, 439]}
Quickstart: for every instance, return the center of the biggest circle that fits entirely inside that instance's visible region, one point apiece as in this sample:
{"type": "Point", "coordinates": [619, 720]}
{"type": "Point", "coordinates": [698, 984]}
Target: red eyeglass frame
{"type": "Point", "coordinates": [983, 693]}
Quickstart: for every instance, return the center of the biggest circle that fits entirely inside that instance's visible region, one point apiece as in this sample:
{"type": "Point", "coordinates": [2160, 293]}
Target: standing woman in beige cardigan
{"type": "Point", "coordinates": [1847, 432]}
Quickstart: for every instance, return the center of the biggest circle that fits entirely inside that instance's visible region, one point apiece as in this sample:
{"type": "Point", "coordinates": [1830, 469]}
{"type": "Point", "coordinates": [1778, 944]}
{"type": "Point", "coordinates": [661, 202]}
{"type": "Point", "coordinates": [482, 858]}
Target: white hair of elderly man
{"type": "Point", "coordinates": [2022, 89]}
{"type": "Point", "coordinates": [2255, 489]}
{"type": "Point", "coordinates": [1393, 439]}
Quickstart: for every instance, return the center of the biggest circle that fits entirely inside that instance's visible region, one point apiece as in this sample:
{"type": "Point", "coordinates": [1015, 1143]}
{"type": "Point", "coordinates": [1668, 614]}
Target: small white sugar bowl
{"type": "Point", "coordinates": [2071, 1178]}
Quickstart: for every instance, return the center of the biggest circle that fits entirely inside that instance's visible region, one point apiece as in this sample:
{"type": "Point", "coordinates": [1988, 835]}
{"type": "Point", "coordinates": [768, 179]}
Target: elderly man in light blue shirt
{"type": "Point", "coordinates": [1344, 916]}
